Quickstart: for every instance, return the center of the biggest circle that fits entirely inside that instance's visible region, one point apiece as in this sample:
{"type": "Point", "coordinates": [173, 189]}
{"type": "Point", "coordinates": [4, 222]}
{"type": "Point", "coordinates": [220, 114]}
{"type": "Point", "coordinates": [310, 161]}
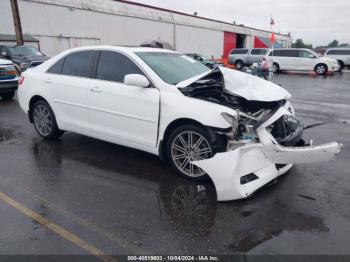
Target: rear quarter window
{"type": "Point", "coordinates": [79, 64]}
{"type": "Point", "coordinates": [57, 67]}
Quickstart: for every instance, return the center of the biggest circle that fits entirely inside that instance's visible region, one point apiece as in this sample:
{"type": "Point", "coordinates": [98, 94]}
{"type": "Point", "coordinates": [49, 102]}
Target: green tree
{"type": "Point", "coordinates": [334, 43]}
{"type": "Point", "coordinates": [299, 43]}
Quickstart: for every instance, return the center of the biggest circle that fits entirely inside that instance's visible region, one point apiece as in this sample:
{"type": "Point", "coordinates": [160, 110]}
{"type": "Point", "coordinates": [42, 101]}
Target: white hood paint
{"type": "Point", "coordinates": [245, 85]}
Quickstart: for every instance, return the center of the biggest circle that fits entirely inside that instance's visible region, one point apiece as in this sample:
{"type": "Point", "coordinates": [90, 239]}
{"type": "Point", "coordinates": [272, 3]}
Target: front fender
{"type": "Point", "coordinates": [177, 106]}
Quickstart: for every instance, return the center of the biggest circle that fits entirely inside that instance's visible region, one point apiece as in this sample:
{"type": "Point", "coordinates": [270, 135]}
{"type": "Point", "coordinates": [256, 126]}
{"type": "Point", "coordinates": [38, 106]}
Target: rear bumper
{"type": "Point", "coordinates": [8, 86]}
{"type": "Point", "coordinates": [239, 173]}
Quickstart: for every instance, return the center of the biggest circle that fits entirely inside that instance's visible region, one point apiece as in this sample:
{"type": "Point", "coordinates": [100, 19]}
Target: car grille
{"type": "Point", "coordinates": [7, 72]}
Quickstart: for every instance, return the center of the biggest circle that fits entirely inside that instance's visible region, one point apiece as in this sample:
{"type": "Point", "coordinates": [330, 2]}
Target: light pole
{"type": "Point", "coordinates": [17, 22]}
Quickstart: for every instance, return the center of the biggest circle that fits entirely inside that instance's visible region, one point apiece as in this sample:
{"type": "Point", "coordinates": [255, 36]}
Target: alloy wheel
{"type": "Point", "coordinates": [190, 146]}
{"type": "Point", "coordinates": [43, 120]}
{"type": "Point", "coordinates": [321, 69]}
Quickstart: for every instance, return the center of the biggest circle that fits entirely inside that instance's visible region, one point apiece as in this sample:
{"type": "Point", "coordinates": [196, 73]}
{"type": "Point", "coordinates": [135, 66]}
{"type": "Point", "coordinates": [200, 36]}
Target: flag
{"type": "Point", "coordinates": [272, 38]}
{"type": "Point", "coordinates": [272, 22]}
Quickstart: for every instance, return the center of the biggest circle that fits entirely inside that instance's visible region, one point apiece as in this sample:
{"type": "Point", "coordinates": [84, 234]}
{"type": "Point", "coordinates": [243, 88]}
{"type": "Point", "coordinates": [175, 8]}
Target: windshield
{"type": "Point", "coordinates": [24, 51]}
{"type": "Point", "coordinates": [314, 53]}
{"type": "Point", "coordinates": [172, 68]}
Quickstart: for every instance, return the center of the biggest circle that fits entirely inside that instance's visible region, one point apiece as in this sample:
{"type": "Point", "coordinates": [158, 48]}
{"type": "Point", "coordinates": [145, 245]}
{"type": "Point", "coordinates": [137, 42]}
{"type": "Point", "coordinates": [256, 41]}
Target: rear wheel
{"type": "Point", "coordinates": [239, 64]}
{"type": "Point", "coordinates": [186, 144]}
{"type": "Point", "coordinates": [7, 96]}
{"type": "Point", "coordinates": [321, 69]}
{"type": "Point", "coordinates": [44, 120]}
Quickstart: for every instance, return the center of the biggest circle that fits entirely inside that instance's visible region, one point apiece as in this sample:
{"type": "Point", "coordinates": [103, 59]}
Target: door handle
{"type": "Point", "coordinates": [48, 81]}
{"type": "Point", "coordinates": [96, 89]}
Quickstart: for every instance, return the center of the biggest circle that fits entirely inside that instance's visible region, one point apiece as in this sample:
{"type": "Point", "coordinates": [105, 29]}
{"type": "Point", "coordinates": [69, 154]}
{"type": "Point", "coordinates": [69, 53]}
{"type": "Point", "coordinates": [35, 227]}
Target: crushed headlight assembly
{"type": "Point", "coordinates": [243, 130]}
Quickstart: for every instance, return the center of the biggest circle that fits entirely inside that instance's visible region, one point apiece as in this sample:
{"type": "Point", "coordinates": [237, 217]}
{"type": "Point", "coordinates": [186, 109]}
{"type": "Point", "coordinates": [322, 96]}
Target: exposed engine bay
{"type": "Point", "coordinates": [287, 130]}
{"type": "Point", "coordinates": [265, 138]}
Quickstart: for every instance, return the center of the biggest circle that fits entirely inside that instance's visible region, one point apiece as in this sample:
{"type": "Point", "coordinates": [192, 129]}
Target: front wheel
{"type": "Point", "coordinates": [341, 66]}
{"type": "Point", "coordinates": [44, 120]}
{"type": "Point", "coordinates": [321, 69]}
{"type": "Point", "coordinates": [7, 96]}
{"type": "Point", "coordinates": [186, 144]}
{"type": "Point", "coordinates": [275, 68]}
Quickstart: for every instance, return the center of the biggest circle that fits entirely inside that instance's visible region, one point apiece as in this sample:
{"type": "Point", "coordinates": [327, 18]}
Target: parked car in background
{"type": "Point", "coordinates": [224, 62]}
{"type": "Point", "coordinates": [342, 55]}
{"type": "Point", "coordinates": [23, 56]}
{"type": "Point", "coordinates": [204, 60]}
{"type": "Point", "coordinates": [300, 59]}
{"type": "Point", "coordinates": [8, 79]}
{"type": "Point", "coordinates": [241, 57]}
{"type": "Point", "coordinates": [223, 123]}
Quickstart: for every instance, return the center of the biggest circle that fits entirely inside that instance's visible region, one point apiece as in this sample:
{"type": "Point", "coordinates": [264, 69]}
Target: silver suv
{"type": "Point", "coordinates": [241, 57]}
{"type": "Point", "coordinates": [340, 54]}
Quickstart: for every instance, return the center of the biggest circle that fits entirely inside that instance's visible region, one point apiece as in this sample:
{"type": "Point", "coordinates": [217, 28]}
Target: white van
{"type": "Point", "coordinates": [296, 59]}
{"type": "Point", "coordinates": [340, 54]}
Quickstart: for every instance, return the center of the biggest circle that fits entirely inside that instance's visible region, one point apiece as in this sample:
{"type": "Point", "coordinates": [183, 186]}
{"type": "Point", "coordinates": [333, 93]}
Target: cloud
{"type": "Point", "coordinates": [316, 21]}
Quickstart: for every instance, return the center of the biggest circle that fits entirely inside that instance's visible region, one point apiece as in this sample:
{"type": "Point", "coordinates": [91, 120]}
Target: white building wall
{"type": "Point", "coordinates": [62, 24]}
{"type": "Point", "coordinates": [204, 41]}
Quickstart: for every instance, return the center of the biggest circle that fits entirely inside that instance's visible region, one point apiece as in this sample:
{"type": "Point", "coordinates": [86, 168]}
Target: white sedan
{"type": "Point", "coordinates": [235, 128]}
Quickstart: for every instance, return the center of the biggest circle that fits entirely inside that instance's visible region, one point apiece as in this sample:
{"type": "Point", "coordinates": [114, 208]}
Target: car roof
{"type": "Point", "coordinates": [132, 49]}
{"type": "Point", "coordinates": [339, 48]}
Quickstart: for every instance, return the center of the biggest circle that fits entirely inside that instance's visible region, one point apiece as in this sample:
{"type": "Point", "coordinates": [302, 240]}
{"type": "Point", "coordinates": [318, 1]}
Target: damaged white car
{"type": "Point", "coordinates": [239, 130]}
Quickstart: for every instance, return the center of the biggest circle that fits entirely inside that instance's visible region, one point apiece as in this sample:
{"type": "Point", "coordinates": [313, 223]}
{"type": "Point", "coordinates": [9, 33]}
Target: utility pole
{"type": "Point", "coordinates": [17, 22]}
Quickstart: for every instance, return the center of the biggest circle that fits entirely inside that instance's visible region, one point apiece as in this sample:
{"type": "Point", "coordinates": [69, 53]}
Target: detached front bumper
{"type": "Point", "coordinates": [239, 173]}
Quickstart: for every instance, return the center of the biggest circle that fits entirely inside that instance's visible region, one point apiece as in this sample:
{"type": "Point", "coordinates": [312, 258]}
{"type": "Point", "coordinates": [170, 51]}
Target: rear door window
{"type": "Point", "coordinates": [339, 52]}
{"type": "Point", "coordinates": [79, 64]}
{"type": "Point", "coordinates": [290, 53]}
{"type": "Point", "coordinates": [113, 66]}
{"type": "Point", "coordinates": [258, 52]}
{"type": "Point", "coordinates": [239, 51]}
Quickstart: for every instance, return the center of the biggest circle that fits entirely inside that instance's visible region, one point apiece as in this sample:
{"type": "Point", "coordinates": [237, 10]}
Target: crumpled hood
{"type": "Point", "coordinates": [245, 85]}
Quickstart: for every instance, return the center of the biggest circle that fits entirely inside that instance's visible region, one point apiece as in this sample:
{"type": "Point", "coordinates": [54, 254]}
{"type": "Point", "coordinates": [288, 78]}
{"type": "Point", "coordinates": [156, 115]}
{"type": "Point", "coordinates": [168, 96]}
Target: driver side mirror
{"type": "Point", "coordinates": [312, 56]}
{"type": "Point", "coordinates": [136, 80]}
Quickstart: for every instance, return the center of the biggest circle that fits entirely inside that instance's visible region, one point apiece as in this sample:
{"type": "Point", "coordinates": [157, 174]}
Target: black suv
{"type": "Point", "coordinates": [23, 56]}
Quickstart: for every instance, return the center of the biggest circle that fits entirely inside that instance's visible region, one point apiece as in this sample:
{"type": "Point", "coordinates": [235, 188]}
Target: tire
{"type": "Point", "coordinates": [44, 121]}
{"type": "Point", "coordinates": [7, 96]}
{"type": "Point", "coordinates": [239, 64]}
{"type": "Point", "coordinates": [181, 150]}
{"type": "Point", "coordinates": [341, 64]}
{"type": "Point", "coordinates": [275, 67]}
{"type": "Point", "coordinates": [321, 69]}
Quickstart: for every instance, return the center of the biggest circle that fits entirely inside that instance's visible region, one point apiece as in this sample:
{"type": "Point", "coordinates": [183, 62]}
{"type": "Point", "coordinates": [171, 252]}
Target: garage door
{"type": "Point", "coordinates": [230, 40]}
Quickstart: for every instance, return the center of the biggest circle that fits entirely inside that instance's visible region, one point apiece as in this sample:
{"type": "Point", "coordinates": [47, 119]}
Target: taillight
{"type": "Point", "coordinates": [20, 80]}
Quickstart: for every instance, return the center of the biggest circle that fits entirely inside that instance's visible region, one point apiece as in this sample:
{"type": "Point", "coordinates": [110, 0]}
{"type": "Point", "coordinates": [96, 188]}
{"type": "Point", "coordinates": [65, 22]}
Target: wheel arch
{"type": "Point", "coordinates": [320, 63]}
{"type": "Point", "coordinates": [212, 132]}
{"type": "Point", "coordinates": [32, 101]}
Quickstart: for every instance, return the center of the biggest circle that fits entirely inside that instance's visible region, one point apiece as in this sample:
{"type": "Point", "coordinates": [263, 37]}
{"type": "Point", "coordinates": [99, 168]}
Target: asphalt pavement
{"type": "Point", "coordinates": [79, 195]}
